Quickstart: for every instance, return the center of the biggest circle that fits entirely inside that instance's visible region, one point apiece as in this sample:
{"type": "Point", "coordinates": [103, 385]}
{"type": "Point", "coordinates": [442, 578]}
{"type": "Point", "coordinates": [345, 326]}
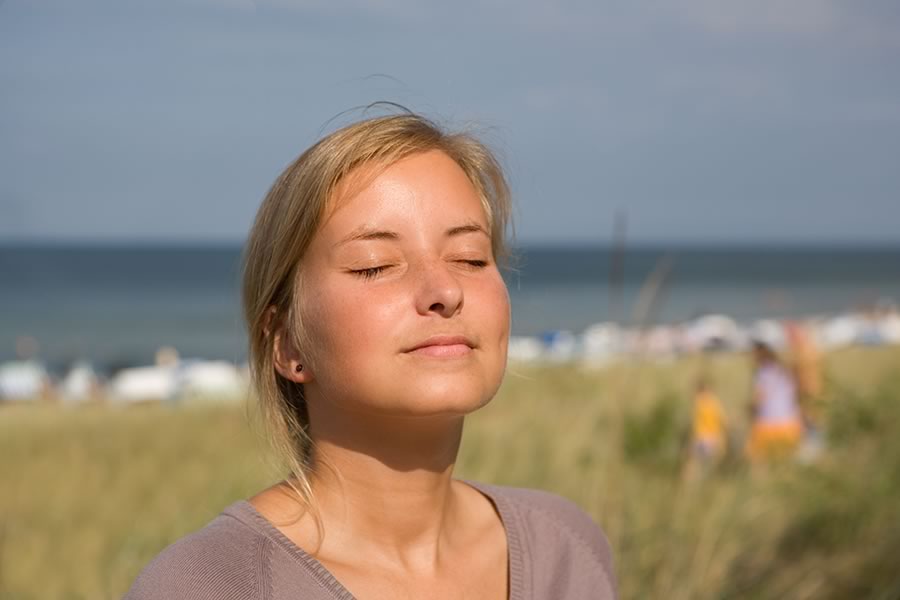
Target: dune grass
{"type": "Point", "coordinates": [89, 496]}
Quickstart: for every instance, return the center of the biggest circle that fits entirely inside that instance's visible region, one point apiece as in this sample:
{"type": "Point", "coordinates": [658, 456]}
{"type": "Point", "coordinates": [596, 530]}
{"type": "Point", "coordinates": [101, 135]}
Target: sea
{"type": "Point", "coordinates": [115, 305]}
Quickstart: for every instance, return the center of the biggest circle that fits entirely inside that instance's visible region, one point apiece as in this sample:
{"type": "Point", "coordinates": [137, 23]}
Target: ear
{"type": "Point", "coordinates": [286, 357]}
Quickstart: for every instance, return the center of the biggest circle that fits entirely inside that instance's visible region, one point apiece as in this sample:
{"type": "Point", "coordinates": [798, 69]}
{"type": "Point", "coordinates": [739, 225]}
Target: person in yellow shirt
{"type": "Point", "coordinates": [708, 439]}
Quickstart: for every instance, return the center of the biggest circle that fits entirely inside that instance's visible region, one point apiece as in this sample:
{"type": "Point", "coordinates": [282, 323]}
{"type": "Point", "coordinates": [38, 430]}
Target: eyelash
{"type": "Point", "coordinates": [479, 264]}
{"type": "Point", "coordinates": [373, 272]}
{"type": "Point", "coordinates": [369, 273]}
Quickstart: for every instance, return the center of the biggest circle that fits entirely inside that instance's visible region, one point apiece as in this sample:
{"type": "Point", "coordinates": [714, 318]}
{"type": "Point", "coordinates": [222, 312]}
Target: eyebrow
{"type": "Point", "coordinates": [364, 233]}
{"type": "Point", "coordinates": [470, 227]}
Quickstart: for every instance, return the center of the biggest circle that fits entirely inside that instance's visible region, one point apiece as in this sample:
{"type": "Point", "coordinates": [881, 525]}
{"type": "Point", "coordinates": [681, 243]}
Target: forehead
{"type": "Point", "coordinates": [427, 182]}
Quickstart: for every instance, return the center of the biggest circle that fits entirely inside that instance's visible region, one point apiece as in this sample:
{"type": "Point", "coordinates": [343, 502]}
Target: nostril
{"type": "Point", "coordinates": [437, 307]}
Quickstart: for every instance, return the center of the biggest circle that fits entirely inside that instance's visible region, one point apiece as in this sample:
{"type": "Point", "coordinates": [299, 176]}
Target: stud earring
{"type": "Point", "coordinates": [298, 368]}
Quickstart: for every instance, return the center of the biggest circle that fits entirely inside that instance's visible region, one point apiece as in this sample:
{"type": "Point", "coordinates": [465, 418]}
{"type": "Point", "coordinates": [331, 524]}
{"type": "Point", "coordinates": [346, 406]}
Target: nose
{"type": "Point", "coordinates": [439, 291]}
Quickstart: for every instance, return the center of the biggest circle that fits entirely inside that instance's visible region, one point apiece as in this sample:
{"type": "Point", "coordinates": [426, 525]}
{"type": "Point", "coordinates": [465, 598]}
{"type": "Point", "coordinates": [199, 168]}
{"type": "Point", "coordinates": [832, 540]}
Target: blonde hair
{"type": "Point", "coordinates": [286, 222]}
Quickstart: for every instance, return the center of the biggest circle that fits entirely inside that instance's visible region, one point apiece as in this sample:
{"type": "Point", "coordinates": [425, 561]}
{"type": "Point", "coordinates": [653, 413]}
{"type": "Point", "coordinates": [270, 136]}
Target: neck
{"type": "Point", "coordinates": [384, 483]}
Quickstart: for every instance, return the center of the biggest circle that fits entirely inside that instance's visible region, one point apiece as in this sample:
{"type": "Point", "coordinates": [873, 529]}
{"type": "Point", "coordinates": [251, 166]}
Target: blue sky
{"type": "Point", "coordinates": [703, 120]}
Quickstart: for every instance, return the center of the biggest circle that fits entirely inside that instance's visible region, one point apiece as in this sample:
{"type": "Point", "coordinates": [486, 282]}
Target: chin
{"type": "Point", "coordinates": [442, 396]}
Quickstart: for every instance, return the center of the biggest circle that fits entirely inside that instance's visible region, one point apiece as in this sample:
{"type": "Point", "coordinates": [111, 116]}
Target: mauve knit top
{"type": "Point", "coordinates": [555, 552]}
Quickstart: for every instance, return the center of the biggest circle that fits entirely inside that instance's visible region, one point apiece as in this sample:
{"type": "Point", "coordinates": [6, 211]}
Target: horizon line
{"type": "Point", "coordinates": [541, 244]}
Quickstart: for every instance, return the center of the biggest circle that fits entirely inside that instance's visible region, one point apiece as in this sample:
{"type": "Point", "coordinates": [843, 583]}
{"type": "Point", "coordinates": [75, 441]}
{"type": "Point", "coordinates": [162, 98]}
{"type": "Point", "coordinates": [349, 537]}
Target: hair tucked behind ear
{"type": "Point", "coordinates": [288, 218]}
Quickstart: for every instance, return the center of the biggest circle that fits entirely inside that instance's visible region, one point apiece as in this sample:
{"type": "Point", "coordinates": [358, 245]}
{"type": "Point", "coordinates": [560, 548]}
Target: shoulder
{"type": "Point", "coordinates": [538, 506]}
{"type": "Point", "coordinates": [225, 560]}
{"type": "Point", "coordinates": [558, 530]}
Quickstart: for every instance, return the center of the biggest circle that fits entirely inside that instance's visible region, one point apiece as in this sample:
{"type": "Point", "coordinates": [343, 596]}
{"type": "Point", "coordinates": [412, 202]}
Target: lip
{"type": "Point", "coordinates": [443, 346]}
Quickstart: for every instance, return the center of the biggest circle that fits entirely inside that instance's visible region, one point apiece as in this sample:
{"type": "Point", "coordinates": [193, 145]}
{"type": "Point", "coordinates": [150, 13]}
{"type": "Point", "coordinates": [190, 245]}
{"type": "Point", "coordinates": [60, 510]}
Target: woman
{"type": "Point", "coordinates": [777, 426]}
{"type": "Point", "coordinates": [378, 319]}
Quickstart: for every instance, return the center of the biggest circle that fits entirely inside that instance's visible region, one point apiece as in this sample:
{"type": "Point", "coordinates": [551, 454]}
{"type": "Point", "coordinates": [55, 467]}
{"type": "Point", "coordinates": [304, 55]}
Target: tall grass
{"type": "Point", "coordinates": [89, 496]}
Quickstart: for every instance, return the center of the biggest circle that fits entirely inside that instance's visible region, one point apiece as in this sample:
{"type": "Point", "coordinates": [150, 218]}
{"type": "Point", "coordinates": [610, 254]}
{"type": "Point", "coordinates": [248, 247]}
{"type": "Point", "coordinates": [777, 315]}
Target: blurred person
{"type": "Point", "coordinates": [709, 425]}
{"type": "Point", "coordinates": [805, 364]}
{"type": "Point", "coordinates": [708, 430]}
{"type": "Point", "coordinates": [776, 421]}
{"type": "Point", "coordinates": [378, 320]}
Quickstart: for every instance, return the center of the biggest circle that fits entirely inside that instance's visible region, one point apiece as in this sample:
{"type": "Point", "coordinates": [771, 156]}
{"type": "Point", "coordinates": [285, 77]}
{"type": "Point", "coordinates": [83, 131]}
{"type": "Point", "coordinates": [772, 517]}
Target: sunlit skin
{"type": "Point", "coordinates": [408, 322]}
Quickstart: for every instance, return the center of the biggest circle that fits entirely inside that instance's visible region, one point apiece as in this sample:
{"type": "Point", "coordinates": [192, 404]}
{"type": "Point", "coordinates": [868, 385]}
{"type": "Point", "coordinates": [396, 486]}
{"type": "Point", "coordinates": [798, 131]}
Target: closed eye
{"type": "Point", "coordinates": [369, 273]}
{"type": "Point", "coordinates": [479, 264]}
{"type": "Point", "coordinates": [373, 272]}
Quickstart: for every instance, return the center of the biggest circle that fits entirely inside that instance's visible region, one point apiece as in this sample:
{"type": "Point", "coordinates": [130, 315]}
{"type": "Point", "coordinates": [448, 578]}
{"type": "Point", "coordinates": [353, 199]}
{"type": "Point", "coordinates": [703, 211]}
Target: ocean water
{"type": "Point", "coordinates": [115, 305]}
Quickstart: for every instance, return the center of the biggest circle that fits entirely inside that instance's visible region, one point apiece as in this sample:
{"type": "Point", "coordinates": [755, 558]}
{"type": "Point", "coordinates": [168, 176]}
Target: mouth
{"type": "Point", "coordinates": [443, 346]}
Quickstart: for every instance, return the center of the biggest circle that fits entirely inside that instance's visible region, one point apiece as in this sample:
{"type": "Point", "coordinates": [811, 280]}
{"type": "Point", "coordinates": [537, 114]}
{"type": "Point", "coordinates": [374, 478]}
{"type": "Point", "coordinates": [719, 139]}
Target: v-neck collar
{"type": "Point", "coordinates": [515, 541]}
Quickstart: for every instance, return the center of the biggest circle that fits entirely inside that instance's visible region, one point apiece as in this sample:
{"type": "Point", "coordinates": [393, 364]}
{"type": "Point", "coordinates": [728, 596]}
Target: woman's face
{"type": "Point", "coordinates": [404, 308]}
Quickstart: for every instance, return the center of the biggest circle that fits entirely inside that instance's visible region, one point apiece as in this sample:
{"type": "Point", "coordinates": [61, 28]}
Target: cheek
{"type": "Point", "coordinates": [495, 306]}
{"type": "Point", "coordinates": [344, 326]}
